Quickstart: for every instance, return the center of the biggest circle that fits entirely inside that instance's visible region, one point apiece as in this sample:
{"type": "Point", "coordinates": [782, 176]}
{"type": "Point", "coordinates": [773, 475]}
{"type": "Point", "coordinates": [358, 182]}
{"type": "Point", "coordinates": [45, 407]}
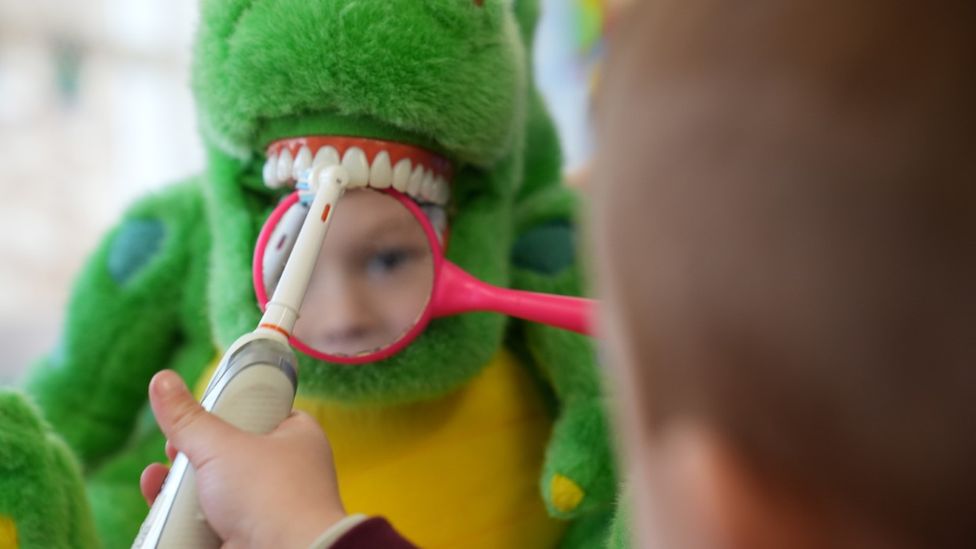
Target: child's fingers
{"type": "Point", "coordinates": [171, 451]}
{"type": "Point", "coordinates": [152, 480]}
{"type": "Point", "coordinates": [191, 429]}
{"type": "Point", "coordinates": [298, 422]}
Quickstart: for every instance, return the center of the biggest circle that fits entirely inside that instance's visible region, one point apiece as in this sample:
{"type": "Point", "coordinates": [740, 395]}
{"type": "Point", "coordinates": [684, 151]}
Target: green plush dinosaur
{"type": "Point", "coordinates": [484, 432]}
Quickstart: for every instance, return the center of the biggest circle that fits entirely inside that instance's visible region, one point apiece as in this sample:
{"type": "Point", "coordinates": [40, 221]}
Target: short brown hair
{"type": "Point", "coordinates": [789, 222]}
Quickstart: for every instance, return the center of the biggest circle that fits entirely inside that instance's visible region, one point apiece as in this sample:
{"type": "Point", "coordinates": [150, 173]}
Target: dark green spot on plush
{"type": "Point", "coordinates": [58, 354]}
{"type": "Point", "coordinates": [549, 248]}
{"type": "Point", "coordinates": [134, 246]}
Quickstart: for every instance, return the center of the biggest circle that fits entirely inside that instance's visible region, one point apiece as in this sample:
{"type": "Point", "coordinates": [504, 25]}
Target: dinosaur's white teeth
{"type": "Point", "coordinates": [270, 171]}
{"type": "Point", "coordinates": [442, 191]}
{"type": "Point", "coordinates": [427, 188]}
{"type": "Point", "coordinates": [415, 180]}
{"type": "Point", "coordinates": [303, 161]}
{"type": "Point", "coordinates": [401, 175]}
{"type": "Point", "coordinates": [327, 156]}
{"type": "Point", "coordinates": [356, 163]}
{"type": "Point", "coordinates": [285, 166]}
{"type": "Point", "coordinates": [381, 173]}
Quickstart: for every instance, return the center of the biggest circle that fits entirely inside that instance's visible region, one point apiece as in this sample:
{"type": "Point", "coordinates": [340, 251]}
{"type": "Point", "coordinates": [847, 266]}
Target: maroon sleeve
{"type": "Point", "coordinates": [373, 533]}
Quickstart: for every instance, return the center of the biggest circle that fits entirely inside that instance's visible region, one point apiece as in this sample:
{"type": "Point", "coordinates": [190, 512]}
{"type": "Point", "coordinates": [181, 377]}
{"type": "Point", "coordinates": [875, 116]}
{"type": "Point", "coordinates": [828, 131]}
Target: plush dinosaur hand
{"type": "Point", "coordinates": [578, 473]}
{"type": "Point", "coordinates": [42, 501]}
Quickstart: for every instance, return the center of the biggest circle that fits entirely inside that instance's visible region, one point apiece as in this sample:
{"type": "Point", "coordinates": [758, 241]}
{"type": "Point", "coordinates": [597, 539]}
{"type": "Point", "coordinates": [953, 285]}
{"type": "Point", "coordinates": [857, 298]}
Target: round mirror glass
{"type": "Point", "coordinates": [373, 279]}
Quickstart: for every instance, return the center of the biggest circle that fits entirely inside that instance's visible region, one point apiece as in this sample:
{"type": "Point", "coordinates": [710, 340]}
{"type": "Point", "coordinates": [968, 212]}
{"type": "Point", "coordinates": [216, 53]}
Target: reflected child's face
{"type": "Point", "coordinates": [373, 278]}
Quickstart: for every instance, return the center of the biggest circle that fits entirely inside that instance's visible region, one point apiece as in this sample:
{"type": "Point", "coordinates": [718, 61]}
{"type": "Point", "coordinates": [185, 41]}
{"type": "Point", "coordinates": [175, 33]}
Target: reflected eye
{"type": "Point", "coordinates": [387, 261]}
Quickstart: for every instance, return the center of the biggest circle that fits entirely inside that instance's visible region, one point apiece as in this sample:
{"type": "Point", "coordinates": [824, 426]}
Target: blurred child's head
{"type": "Point", "coordinates": [787, 245]}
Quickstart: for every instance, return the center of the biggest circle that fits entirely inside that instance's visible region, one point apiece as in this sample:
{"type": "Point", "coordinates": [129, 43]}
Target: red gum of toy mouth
{"type": "Point", "coordinates": [372, 147]}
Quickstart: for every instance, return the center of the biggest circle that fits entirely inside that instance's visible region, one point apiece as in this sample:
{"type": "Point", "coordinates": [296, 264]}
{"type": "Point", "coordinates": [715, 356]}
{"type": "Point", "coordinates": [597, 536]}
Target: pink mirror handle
{"type": "Point", "coordinates": [459, 292]}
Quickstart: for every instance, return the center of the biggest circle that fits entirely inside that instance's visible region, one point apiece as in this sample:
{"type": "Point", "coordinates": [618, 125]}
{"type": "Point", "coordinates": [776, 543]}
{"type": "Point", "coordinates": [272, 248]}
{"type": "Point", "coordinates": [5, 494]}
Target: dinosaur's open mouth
{"type": "Point", "coordinates": [373, 163]}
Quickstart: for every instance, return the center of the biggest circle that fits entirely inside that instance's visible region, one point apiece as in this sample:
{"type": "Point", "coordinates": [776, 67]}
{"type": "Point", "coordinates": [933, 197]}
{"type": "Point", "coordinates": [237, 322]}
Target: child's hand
{"type": "Point", "coordinates": [274, 490]}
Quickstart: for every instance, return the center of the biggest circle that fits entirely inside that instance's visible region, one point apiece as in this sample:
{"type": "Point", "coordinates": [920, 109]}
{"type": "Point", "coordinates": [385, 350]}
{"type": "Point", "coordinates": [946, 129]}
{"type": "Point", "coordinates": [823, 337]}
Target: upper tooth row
{"type": "Point", "coordinates": [416, 181]}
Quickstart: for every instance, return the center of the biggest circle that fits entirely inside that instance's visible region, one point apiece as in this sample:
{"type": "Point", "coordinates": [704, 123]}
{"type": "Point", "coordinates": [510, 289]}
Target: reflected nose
{"type": "Point", "coordinates": [347, 321]}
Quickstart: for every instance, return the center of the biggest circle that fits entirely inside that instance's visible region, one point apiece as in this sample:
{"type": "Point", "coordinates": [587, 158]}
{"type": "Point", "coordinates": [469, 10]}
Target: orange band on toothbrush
{"type": "Point", "coordinates": [276, 328]}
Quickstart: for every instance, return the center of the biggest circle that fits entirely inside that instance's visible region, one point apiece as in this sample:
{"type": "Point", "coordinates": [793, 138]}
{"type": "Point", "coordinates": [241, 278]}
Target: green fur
{"type": "Point", "coordinates": [172, 282]}
{"type": "Point", "coordinates": [620, 529]}
{"type": "Point", "coordinates": [40, 484]}
{"type": "Point", "coordinates": [447, 70]}
{"type": "Point", "coordinates": [590, 531]}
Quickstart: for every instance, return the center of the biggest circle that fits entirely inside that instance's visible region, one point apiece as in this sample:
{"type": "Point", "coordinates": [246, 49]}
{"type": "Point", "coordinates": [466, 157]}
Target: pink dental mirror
{"type": "Point", "coordinates": [381, 277]}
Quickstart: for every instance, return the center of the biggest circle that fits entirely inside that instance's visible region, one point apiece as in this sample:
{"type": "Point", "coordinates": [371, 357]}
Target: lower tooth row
{"type": "Point", "coordinates": [415, 181]}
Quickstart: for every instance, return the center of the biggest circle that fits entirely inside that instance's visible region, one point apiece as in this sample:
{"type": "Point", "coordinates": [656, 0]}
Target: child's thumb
{"type": "Point", "coordinates": [192, 430]}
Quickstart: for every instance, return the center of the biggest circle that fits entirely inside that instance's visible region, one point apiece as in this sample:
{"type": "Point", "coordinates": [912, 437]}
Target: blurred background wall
{"type": "Point", "coordinates": [95, 110]}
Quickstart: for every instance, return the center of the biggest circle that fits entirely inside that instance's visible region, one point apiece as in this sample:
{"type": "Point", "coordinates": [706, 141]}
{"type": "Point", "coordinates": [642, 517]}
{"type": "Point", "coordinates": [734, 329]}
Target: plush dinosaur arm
{"type": "Point", "coordinates": [579, 478]}
{"type": "Point", "coordinates": [579, 475]}
{"type": "Point", "coordinates": [121, 325]}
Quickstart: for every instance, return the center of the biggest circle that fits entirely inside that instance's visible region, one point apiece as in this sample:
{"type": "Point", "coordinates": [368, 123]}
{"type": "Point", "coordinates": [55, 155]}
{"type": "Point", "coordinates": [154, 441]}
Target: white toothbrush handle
{"type": "Point", "coordinates": [253, 389]}
{"type": "Point", "coordinates": [330, 183]}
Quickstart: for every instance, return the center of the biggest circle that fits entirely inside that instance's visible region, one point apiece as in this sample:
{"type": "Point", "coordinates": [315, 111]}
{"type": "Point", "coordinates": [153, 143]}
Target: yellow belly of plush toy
{"type": "Point", "coordinates": [462, 471]}
{"type": "Point", "coordinates": [8, 534]}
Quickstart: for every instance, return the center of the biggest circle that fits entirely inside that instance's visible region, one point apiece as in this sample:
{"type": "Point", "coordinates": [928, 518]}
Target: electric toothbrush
{"type": "Point", "coordinates": [253, 387]}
